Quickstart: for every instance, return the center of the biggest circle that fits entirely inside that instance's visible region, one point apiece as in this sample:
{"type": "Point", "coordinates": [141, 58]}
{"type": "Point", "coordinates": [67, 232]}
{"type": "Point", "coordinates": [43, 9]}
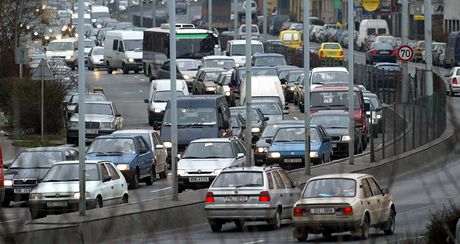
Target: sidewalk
{"type": "Point", "coordinates": [8, 149]}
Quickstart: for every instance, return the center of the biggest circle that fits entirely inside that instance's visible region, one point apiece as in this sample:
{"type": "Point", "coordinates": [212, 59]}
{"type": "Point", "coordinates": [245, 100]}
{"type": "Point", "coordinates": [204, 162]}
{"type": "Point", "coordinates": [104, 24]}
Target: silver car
{"type": "Point", "coordinates": [242, 194]}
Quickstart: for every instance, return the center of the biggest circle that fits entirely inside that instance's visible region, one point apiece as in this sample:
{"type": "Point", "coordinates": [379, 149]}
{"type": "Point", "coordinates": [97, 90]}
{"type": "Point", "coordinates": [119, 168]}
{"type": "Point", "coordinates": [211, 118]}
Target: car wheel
{"type": "Point", "coordinates": [390, 225]}
{"type": "Point", "coordinates": [124, 69]}
{"type": "Point", "coordinates": [109, 69]}
{"type": "Point", "coordinates": [98, 202]}
{"type": "Point", "coordinates": [301, 234]}
{"type": "Point", "coordinates": [164, 174]}
{"type": "Point", "coordinates": [6, 203]}
{"type": "Point", "coordinates": [149, 181]}
{"type": "Point", "coordinates": [134, 184]}
{"type": "Point", "coordinates": [180, 189]}
{"type": "Point", "coordinates": [364, 229]}
{"type": "Point", "coordinates": [239, 224]}
{"type": "Point", "coordinates": [216, 227]}
{"type": "Point", "coordinates": [276, 221]}
{"type": "Point", "coordinates": [326, 234]}
{"type": "Point", "coordinates": [124, 200]}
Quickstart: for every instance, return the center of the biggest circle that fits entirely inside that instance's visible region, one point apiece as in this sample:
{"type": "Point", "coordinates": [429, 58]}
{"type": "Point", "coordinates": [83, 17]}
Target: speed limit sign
{"type": "Point", "coordinates": [405, 53]}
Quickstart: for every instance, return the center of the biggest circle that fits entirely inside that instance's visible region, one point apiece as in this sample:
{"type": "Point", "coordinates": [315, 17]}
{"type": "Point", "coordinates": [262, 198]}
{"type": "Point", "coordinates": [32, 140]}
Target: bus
{"type": "Point", "coordinates": [191, 43]}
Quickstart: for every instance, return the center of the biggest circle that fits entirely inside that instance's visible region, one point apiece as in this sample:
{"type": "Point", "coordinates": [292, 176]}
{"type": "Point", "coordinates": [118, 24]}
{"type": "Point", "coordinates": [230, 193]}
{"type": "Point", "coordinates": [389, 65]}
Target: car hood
{"type": "Point", "coordinates": [31, 173]}
{"type": "Point", "coordinates": [207, 164]}
{"type": "Point", "coordinates": [298, 146]}
{"type": "Point", "coordinates": [240, 60]}
{"type": "Point", "coordinates": [337, 131]}
{"type": "Point", "coordinates": [93, 118]}
{"type": "Point", "coordinates": [59, 53]}
{"type": "Point", "coordinates": [134, 54]}
{"type": "Point", "coordinates": [116, 159]}
{"type": "Point", "coordinates": [64, 186]}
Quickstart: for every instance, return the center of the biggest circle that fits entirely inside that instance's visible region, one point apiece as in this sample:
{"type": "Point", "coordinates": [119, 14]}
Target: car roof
{"type": "Point", "coordinates": [330, 112]}
{"type": "Point", "coordinates": [86, 161]}
{"type": "Point", "coordinates": [322, 69]}
{"type": "Point", "coordinates": [98, 102]}
{"type": "Point", "coordinates": [387, 64]}
{"type": "Point", "coordinates": [132, 131]}
{"type": "Point", "coordinates": [244, 42]}
{"type": "Point", "coordinates": [285, 122]}
{"type": "Point", "coordinates": [111, 136]}
{"type": "Point", "coordinates": [42, 149]}
{"type": "Point", "coordinates": [251, 168]}
{"type": "Point", "coordinates": [332, 88]}
{"type": "Point", "coordinates": [213, 69]}
{"type": "Point", "coordinates": [225, 139]}
{"type": "Point", "coordinates": [354, 176]}
{"type": "Point", "coordinates": [218, 57]}
{"type": "Point", "coordinates": [255, 55]}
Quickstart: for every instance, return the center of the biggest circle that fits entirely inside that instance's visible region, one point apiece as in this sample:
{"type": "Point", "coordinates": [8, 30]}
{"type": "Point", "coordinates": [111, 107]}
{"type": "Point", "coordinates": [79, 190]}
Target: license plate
{"type": "Point", "coordinates": [319, 211]}
{"type": "Point", "coordinates": [22, 190]}
{"type": "Point", "coordinates": [332, 53]}
{"type": "Point", "coordinates": [293, 160]}
{"type": "Point", "coordinates": [56, 204]}
{"type": "Point", "coordinates": [91, 131]}
{"type": "Point", "coordinates": [198, 179]}
{"type": "Point", "coordinates": [334, 145]}
{"type": "Point", "coordinates": [384, 52]}
{"type": "Point", "coordinates": [236, 198]}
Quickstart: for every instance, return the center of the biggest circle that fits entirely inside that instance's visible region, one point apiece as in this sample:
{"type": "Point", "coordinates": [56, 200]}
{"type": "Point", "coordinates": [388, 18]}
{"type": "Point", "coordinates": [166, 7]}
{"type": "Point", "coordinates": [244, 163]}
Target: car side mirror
{"type": "Point", "coordinates": [156, 125]}
{"type": "Point", "coordinates": [107, 178]}
{"type": "Point", "coordinates": [367, 107]}
{"type": "Point", "coordinates": [240, 155]}
{"type": "Point", "coordinates": [146, 101]}
{"type": "Point", "coordinates": [269, 141]}
{"type": "Point", "coordinates": [117, 115]}
{"type": "Point", "coordinates": [283, 81]}
{"type": "Point", "coordinates": [159, 146]}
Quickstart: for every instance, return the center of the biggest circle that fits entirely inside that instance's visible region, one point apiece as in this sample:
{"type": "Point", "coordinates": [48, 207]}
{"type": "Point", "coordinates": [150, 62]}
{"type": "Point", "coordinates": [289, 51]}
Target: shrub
{"type": "Point", "coordinates": [442, 225]}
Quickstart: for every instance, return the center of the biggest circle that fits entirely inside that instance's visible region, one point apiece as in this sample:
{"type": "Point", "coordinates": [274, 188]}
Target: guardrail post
{"type": "Point", "coordinates": [383, 133]}
{"type": "Point", "coordinates": [414, 107]}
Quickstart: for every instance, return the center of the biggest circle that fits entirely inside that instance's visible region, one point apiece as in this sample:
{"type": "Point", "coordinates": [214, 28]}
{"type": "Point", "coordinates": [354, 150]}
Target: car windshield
{"type": "Point", "coordinates": [330, 188]}
{"type": "Point", "coordinates": [375, 101]}
{"type": "Point", "coordinates": [389, 67]}
{"type": "Point", "coordinates": [240, 49]}
{"type": "Point", "coordinates": [270, 61]}
{"type": "Point", "coordinates": [187, 65]}
{"type": "Point", "coordinates": [239, 179]}
{"type": "Point", "coordinates": [60, 46]}
{"type": "Point", "coordinates": [330, 121]}
{"type": "Point", "coordinates": [133, 45]}
{"type": "Point", "coordinates": [255, 117]}
{"type": "Point", "coordinates": [324, 77]}
{"type": "Point", "coordinates": [294, 134]}
{"type": "Point", "coordinates": [258, 72]}
{"type": "Point", "coordinates": [332, 100]}
{"type": "Point", "coordinates": [235, 123]}
{"type": "Point", "coordinates": [254, 29]}
{"type": "Point", "coordinates": [164, 96]}
{"type": "Point", "coordinates": [293, 76]}
{"type": "Point", "coordinates": [95, 108]}
{"type": "Point", "coordinates": [89, 98]}
{"type": "Point", "coordinates": [268, 108]}
{"type": "Point", "coordinates": [211, 76]}
{"type": "Point", "coordinates": [70, 172]}
{"type": "Point", "coordinates": [112, 146]}
{"type": "Point", "coordinates": [36, 159]}
{"type": "Point", "coordinates": [331, 46]}
{"type": "Point", "coordinates": [192, 116]}
{"type": "Point", "coordinates": [143, 135]}
{"type": "Point", "coordinates": [219, 63]}
{"type": "Point", "coordinates": [383, 45]}
{"type": "Point", "coordinates": [98, 51]}
{"type": "Point", "coordinates": [270, 130]}
{"type": "Point", "coordinates": [209, 150]}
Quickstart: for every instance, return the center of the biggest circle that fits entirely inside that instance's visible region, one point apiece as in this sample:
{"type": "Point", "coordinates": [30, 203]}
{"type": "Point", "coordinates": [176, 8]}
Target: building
{"type": "Point", "coordinates": [323, 9]}
{"type": "Point", "coordinates": [451, 15]}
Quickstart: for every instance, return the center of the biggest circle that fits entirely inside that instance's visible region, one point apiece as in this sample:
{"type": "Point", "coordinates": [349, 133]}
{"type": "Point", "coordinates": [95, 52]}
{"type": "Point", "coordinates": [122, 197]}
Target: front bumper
{"type": "Point", "coordinates": [134, 66]}
{"type": "Point", "coordinates": [185, 183]}
{"type": "Point", "coordinates": [156, 116]}
{"type": "Point", "coordinates": [70, 205]}
{"type": "Point", "coordinates": [10, 195]}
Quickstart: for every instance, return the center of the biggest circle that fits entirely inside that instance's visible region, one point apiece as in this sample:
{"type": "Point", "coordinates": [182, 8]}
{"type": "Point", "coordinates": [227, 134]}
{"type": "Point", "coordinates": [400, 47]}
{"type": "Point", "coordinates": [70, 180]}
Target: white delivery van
{"type": "Point", "coordinates": [263, 86]}
{"type": "Point", "coordinates": [66, 49]}
{"type": "Point", "coordinates": [368, 27]}
{"type": "Point", "coordinates": [123, 50]}
{"type": "Point", "coordinates": [99, 12]}
{"type": "Point", "coordinates": [237, 50]}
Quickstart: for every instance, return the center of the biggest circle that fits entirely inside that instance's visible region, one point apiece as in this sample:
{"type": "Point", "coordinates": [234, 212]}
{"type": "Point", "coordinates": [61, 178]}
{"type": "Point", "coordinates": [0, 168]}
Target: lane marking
{"type": "Point", "coordinates": [295, 118]}
{"type": "Point", "coordinates": [164, 189]}
{"type": "Point", "coordinates": [253, 242]}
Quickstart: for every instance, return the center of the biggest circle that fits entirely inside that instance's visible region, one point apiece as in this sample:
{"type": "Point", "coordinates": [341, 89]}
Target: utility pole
{"type": "Point", "coordinates": [154, 18]}
{"type": "Point", "coordinates": [248, 139]}
{"type": "Point", "coordinates": [210, 15]}
{"type": "Point", "coordinates": [141, 4]}
{"type": "Point", "coordinates": [172, 58]}
{"type": "Point", "coordinates": [306, 81]}
{"type": "Point", "coordinates": [351, 91]}
{"type": "Point", "coordinates": [188, 11]}
{"type": "Point", "coordinates": [235, 19]}
{"type": "Point", "coordinates": [405, 36]}
{"type": "Point", "coordinates": [428, 48]}
{"type": "Point", "coordinates": [264, 21]}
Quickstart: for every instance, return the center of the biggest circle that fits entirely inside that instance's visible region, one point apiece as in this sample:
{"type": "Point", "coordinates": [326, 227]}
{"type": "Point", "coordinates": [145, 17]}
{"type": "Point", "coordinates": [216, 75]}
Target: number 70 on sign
{"type": "Point", "coordinates": [405, 53]}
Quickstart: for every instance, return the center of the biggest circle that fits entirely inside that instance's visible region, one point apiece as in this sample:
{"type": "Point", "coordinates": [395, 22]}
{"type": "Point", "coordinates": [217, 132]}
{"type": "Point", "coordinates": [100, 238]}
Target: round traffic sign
{"type": "Point", "coordinates": [370, 5]}
{"type": "Point", "coordinates": [405, 53]}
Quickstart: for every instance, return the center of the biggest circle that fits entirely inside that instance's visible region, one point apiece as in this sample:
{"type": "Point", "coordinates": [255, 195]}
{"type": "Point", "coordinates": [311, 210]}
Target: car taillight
{"type": "Point", "coordinates": [394, 52]}
{"type": "Point", "coordinates": [298, 212]}
{"type": "Point", "coordinates": [341, 53]}
{"type": "Point", "coordinates": [321, 53]}
{"type": "Point", "coordinates": [264, 196]}
{"type": "Point", "coordinates": [454, 81]}
{"type": "Point", "coordinates": [344, 210]}
{"type": "Point", "coordinates": [209, 197]}
{"type": "Point", "coordinates": [374, 52]}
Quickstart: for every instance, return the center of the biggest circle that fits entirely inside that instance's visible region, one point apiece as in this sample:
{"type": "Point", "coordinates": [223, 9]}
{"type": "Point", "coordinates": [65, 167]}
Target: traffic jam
{"type": "Point", "coordinates": [211, 123]}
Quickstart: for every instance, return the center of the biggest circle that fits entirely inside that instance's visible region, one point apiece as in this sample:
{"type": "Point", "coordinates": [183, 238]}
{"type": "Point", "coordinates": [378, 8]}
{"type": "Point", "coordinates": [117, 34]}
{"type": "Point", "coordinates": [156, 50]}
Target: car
{"type": "Point", "coordinates": [419, 48]}
{"type": "Point", "coordinates": [72, 102]}
{"type": "Point", "coordinates": [439, 55]}
{"type": "Point", "coordinates": [434, 46]}
{"type": "Point", "coordinates": [223, 88]}
{"type": "Point", "coordinates": [453, 85]}
{"type": "Point", "coordinates": [376, 120]}
{"type": "Point", "coordinates": [101, 118]}
{"type": "Point", "coordinates": [332, 203]}
{"type": "Point", "coordinates": [205, 158]}
{"type": "Point", "coordinates": [287, 148]}
{"type": "Point", "coordinates": [277, 22]}
{"type": "Point", "coordinates": [291, 38]}
{"type": "Point", "coordinates": [254, 32]}
{"type": "Point", "coordinates": [389, 75]}
{"type": "Point", "coordinates": [261, 146]}
{"type": "Point", "coordinates": [243, 194]}
{"type": "Point", "coordinates": [336, 123]}
{"type": "Point", "coordinates": [290, 84]}
{"type": "Point", "coordinates": [224, 62]}
{"type": "Point", "coordinates": [131, 155]}
{"type": "Point", "coordinates": [329, 76]}
{"type": "Point", "coordinates": [59, 192]}
{"type": "Point", "coordinates": [186, 69]}
{"type": "Point", "coordinates": [238, 126]}
{"type": "Point", "coordinates": [29, 168]}
{"type": "Point", "coordinates": [267, 87]}
{"type": "Point", "coordinates": [237, 50]}
{"type": "Point", "coordinates": [331, 50]}
{"type": "Point", "coordinates": [314, 31]}
{"type": "Point", "coordinates": [240, 73]}
{"type": "Point", "coordinates": [257, 120]}
{"type": "Point", "coordinates": [283, 71]}
{"type": "Point", "coordinates": [268, 59]}
{"type": "Point", "coordinates": [205, 81]}
{"type": "Point", "coordinates": [156, 145]}
{"type": "Point", "coordinates": [96, 58]}
{"type": "Point", "coordinates": [381, 52]}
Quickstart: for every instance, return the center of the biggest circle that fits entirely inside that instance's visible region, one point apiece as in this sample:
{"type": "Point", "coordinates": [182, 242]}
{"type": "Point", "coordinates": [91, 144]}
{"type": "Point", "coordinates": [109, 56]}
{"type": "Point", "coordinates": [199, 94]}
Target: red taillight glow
{"type": "Point", "coordinates": [298, 212]}
{"type": "Point", "coordinates": [348, 211]}
{"type": "Point", "coordinates": [374, 52]}
{"type": "Point", "coordinates": [341, 53]}
{"type": "Point", "coordinates": [321, 53]}
{"type": "Point", "coordinates": [209, 197]}
{"type": "Point", "coordinates": [454, 81]}
{"type": "Point", "coordinates": [394, 52]}
{"type": "Point", "coordinates": [264, 196]}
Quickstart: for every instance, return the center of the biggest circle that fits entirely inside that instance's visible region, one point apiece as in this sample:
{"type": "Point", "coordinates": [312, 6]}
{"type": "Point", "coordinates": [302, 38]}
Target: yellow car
{"type": "Point", "coordinates": [291, 38]}
{"type": "Point", "coordinates": [331, 50]}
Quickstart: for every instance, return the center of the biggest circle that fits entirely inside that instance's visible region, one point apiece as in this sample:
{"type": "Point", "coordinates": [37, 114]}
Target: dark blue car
{"type": "Point", "coordinates": [287, 147]}
{"type": "Point", "coordinates": [131, 154]}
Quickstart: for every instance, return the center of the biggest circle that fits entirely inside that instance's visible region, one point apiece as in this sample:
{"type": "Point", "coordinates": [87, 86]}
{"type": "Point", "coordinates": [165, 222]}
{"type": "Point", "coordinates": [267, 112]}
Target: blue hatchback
{"type": "Point", "coordinates": [131, 154]}
{"type": "Point", "coordinates": [287, 148]}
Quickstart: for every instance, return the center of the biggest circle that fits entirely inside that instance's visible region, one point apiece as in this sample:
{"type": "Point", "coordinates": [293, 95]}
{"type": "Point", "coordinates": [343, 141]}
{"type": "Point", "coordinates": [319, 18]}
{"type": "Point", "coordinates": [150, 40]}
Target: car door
{"type": "Point", "coordinates": [118, 118]}
{"type": "Point", "coordinates": [163, 72]}
{"type": "Point", "coordinates": [294, 193]}
{"type": "Point", "coordinates": [281, 194]}
{"type": "Point", "coordinates": [146, 157]}
{"type": "Point", "coordinates": [383, 203]}
{"type": "Point", "coordinates": [117, 184]}
{"type": "Point", "coordinates": [369, 201]}
{"type": "Point", "coordinates": [160, 153]}
{"type": "Point", "coordinates": [106, 187]}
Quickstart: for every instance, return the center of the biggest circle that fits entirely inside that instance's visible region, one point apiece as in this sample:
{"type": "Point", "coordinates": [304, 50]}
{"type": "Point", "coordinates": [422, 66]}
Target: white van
{"type": "Point", "coordinates": [99, 12]}
{"type": "Point", "coordinates": [237, 50]}
{"type": "Point", "coordinates": [368, 27]}
{"type": "Point", "coordinates": [159, 96]}
{"type": "Point", "coordinates": [123, 50]}
{"type": "Point", "coordinates": [263, 86]}
{"type": "Point", "coordinates": [254, 32]}
{"type": "Point", "coordinates": [66, 49]}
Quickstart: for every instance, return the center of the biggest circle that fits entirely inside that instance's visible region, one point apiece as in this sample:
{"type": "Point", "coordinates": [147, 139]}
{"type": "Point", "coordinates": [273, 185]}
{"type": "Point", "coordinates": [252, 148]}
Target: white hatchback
{"type": "Point", "coordinates": [453, 81]}
{"type": "Point", "coordinates": [59, 190]}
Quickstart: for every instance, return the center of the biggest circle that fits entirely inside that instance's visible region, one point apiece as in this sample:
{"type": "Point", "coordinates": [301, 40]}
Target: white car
{"type": "Point", "coordinates": [59, 190]}
{"type": "Point", "coordinates": [337, 203]}
{"type": "Point", "coordinates": [328, 75]}
{"type": "Point", "coordinates": [453, 81]}
{"type": "Point", "coordinates": [96, 58]}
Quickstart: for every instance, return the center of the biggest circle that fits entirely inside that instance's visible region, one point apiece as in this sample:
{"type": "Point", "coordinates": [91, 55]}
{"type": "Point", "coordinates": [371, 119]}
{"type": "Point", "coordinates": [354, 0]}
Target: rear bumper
{"type": "Point", "coordinates": [330, 225]}
{"type": "Point", "coordinates": [236, 213]}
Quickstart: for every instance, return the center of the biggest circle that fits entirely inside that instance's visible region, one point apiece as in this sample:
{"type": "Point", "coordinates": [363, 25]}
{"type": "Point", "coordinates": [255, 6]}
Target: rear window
{"type": "Point", "coordinates": [330, 188]}
{"type": "Point", "coordinates": [458, 72]}
{"type": "Point", "coordinates": [331, 46]}
{"type": "Point", "coordinates": [290, 37]}
{"type": "Point", "coordinates": [239, 179]}
{"type": "Point", "coordinates": [370, 31]}
{"type": "Point", "coordinates": [382, 31]}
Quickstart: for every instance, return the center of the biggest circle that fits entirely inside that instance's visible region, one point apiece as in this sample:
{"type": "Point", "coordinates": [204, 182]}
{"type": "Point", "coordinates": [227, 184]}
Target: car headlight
{"type": "Point", "coordinates": [36, 196]}
{"type": "Point", "coordinates": [157, 110]}
{"type": "Point", "coordinates": [379, 116]}
{"type": "Point", "coordinates": [186, 77]}
{"type": "Point", "coordinates": [131, 60]}
{"type": "Point", "coordinates": [255, 130]}
{"type": "Point", "coordinates": [313, 154]}
{"type": "Point", "coordinates": [345, 138]}
{"type": "Point", "coordinates": [217, 171]}
{"type": "Point", "coordinates": [274, 155]}
{"type": "Point", "coordinates": [123, 167]}
{"type": "Point", "coordinates": [227, 93]}
{"type": "Point", "coordinates": [107, 125]}
{"type": "Point", "coordinates": [7, 182]}
{"type": "Point", "coordinates": [261, 149]}
{"type": "Point", "coordinates": [181, 172]}
{"type": "Point", "coordinates": [211, 88]}
{"type": "Point", "coordinates": [76, 195]}
{"type": "Point", "coordinates": [291, 88]}
{"type": "Point", "coordinates": [167, 144]}
{"type": "Point", "coordinates": [68, 57]}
